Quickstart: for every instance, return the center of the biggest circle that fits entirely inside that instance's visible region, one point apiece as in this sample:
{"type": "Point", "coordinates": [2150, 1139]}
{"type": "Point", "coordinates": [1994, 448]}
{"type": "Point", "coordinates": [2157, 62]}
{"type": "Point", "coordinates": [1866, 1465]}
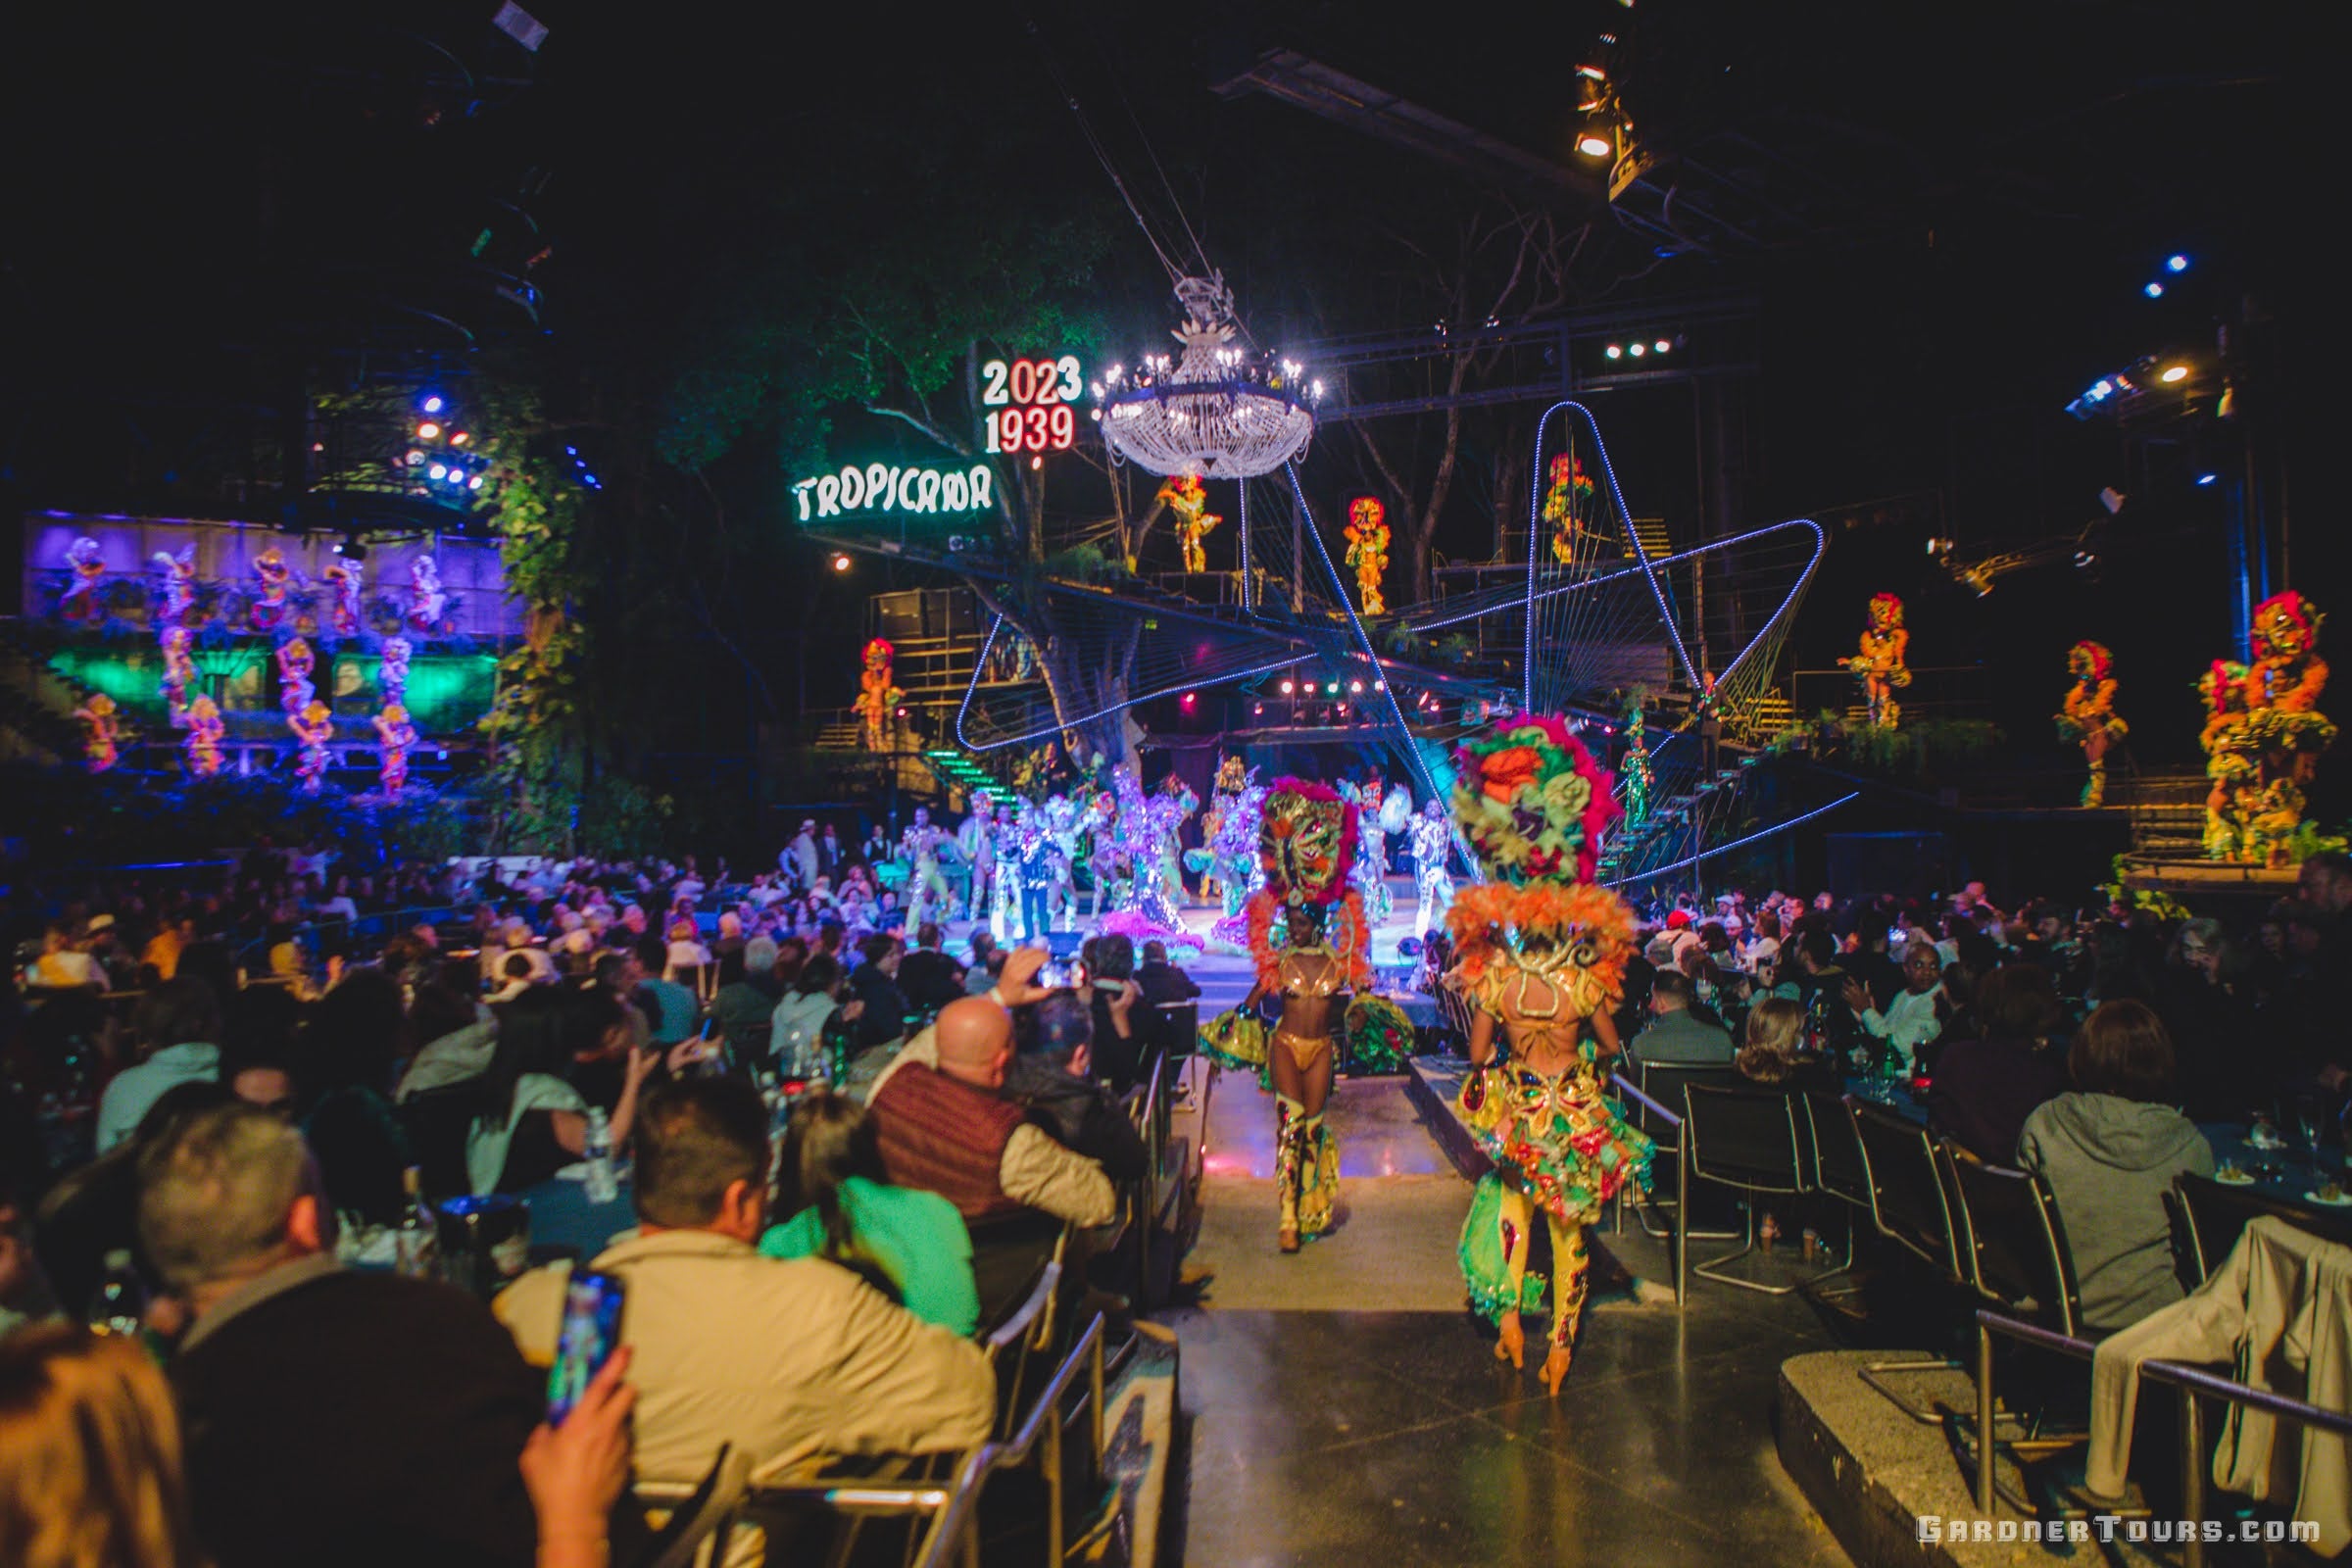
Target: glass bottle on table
{"type": "Point", "coordinates": [416, 1234]}
{"type": "Point", "coordinates": [119, 1305]}
{"type": "Point", "coordinates": [603, 1185]}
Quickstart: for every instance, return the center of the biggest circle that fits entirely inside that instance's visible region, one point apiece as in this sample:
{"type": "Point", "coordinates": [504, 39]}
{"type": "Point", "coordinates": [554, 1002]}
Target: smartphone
{"type": "Point", "coordinates": [1055, 976]}
{"type": "Point", "coordinates": [584, 1340]}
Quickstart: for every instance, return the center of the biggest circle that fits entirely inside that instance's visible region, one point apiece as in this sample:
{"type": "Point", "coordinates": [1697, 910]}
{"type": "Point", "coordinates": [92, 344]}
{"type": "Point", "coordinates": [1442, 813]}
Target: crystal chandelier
{"type": "Point", "coordinates": [1217, 411]}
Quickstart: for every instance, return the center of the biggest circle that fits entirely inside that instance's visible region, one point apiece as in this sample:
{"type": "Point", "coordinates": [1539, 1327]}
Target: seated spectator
{"type": "Point", "coordinates": [331, 1415]}
{"type": "Point", "coordinates": [943, 1127]}
{"type": "Point", "coordinates": [93, 1474]}
{"type": "Point", "coordinates": [874, 982]}
{"type": "Point", "coordinates": [94, 1210]}
{"type": "Point", "coordinates": [1913, 1019]}
{"type": "Point", "coordinates": [178, 1023]}
{"type": "Point", "coordinates": [64, 966]}
{"type": "Point", "coordinates": [685, 958]}
{"type": "Point", "coordinates": [2108, 1149]}
{"type": "Point", "coordinates": [529, 1120]}
{"type": "Point", "coordinates": [345, 1058]}
{"type": "Point", "coordinates": [1163, 983]}
{"type": "Point", "coordinates": [514, 977]}
{"type": "Point", "coordinates": [785, 1359]}
{"type": "Point", "coordinates": [1984, 1088]}
{"type": "Point", "coordinates": [845, 1210]}
{"type": "Point", "coordinates": [806, 1020]}
{"type": "Point", "coordinates": [1050, 1077]}
{"type": "Point", "coordinates": [459, 1039]}
{"type": "Point", "coordinates": [1673, 1033]}
{"type": "Point", "coordinates": [1118, 1041]}
{"type": "Point", "coordinates": [26, 1295]}
{"type": "Point", "coordinates": [977, 975]}
{"type": "Point", "coordinates": [1772, 1051]}
{"type": "Point", "coordinates": [745, 1003]}
{"type": "Point", "coordinates": [929, 977]}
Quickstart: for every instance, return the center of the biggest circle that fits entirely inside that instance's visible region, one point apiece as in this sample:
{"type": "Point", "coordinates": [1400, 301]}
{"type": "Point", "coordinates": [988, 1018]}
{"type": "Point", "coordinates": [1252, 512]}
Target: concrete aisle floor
{"type": "Point", "coordinates": [1345, 1408]}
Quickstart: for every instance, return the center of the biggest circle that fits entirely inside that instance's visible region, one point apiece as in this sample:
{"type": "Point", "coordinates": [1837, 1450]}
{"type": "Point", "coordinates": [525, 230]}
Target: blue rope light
{"type": "Point", "coordinates": [1648, 567]}
{"type": "Point", "coordinates": [1725, 849]}
{"type": "Point", "coordinates": [1820, 547]}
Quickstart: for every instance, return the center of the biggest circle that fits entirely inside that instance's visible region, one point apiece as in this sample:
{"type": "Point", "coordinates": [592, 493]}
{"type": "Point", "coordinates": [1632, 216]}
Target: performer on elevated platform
{"type": "Point", "coordinates": [1541, 958]}
{"type": "Point", "coordinates": [2088, 717]}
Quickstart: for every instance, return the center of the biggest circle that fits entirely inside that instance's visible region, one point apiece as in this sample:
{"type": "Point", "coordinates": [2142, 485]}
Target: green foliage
{"type": "Point", "coordinates": [1084, 563]}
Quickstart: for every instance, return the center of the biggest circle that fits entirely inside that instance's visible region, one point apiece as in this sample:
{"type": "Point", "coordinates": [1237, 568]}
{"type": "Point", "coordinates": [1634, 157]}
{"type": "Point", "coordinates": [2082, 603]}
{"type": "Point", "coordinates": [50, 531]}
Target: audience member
{"type": "Point", "coordinates": [1050, 1077]}
{"type": "Point", "coordinates": [929, 978]}
{"type": "Point", "coordinates": [785, 1359]}
{"type": "Point", "coordinates": [529, 1120]}
{"type": "Point", "coordinates": [178, 1023]}
{"type": "Point", "coordinates": [2108, 1149]}
{"type": "Point", "coordinates": [1163, 983]}
{"type": "Point", "coordinates": [1984, 1088]}
{"type": "Point", "coordinates": [1674, 1034]}
{"type": "Point", "coordinates": [844, 1209]}
{"type": "Point", "coordinates": [333, 1415]}
{"type": "Point", "coordinates": [92, 1475]}
{"type": "Point", "coordinates": [1772, 1051]}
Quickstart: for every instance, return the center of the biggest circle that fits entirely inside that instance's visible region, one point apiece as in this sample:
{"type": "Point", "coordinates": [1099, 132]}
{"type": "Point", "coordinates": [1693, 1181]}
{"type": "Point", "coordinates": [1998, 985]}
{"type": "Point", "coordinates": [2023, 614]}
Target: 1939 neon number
{"type": "Point", "coordinates": [1029, 403]}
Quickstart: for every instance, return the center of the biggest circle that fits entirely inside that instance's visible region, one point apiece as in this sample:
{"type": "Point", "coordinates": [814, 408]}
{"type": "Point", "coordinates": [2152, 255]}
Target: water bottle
{"type": "Point", "coordinates": [603, 1185]}
{"type": "Point", "coordinates": [415, 1237]}
{"type": "Point", "coordinates": [119, 1305]}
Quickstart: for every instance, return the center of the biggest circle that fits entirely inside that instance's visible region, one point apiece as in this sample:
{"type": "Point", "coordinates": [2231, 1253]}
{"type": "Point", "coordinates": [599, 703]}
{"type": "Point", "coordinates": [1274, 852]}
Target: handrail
{"type": "Point", "coordinates": [1620, 1086]}
{"type": "Point", "coordinates": [1682, 1188]}
{"type": "Point", "coordinates": [2190, 1381]}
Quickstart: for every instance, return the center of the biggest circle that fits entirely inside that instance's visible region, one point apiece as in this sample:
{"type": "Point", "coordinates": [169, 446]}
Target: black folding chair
{"type": "Point", "coordinates": [1663, 1082]}
{"type": "Point", "coordinates": [2011, 1248]}
{"type": "Point", "coordinates": [1745, 1138]}
{"type": "Point", "coordinates": [1909, 1207]}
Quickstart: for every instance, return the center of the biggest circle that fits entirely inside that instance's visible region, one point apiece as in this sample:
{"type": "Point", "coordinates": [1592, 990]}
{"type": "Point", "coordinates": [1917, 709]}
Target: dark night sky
{"type": "Point", "coordinates": [1981, 197]}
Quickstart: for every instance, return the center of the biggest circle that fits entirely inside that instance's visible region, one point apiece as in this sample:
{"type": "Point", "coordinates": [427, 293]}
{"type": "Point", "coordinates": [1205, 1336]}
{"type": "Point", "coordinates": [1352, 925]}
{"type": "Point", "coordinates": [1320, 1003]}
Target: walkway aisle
{"type": "Point", "coordinates": [1345, 1409]}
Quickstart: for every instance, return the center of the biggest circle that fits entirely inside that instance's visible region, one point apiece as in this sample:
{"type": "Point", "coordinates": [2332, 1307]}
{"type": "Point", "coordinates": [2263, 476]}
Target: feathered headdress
{"type": "Point", "coordinates": [1305, 841]}
{"type": "Point", "coordinates": [1885, 608]}
{"type": "Point", "coordinates": [2101, 662]}
{"type": "Point", "coordinates": [1532, 802]}
{"type": "Point", "coordinates": [2290, 606]}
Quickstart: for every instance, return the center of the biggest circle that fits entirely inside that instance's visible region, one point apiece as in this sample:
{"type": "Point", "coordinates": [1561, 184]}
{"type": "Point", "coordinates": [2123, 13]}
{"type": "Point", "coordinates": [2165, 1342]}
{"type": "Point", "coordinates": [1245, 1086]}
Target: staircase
{"type": "Point", "coordinates": [2167, 813]}
{"type": "Point", "coordinates": [1659, 837]}
{"type": "Point", "coordinates": [37, 702]}
{"type": "Point", "coordinates": [1651, 531]}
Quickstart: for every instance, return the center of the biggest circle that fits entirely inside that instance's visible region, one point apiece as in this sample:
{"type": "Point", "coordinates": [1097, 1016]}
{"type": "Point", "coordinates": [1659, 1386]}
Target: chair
{"type": "Point", "coordinates": [1663, 1082]}
{"type": "Point", "coordinates": [437, 1123]}
{"type": "Point", "coordinates": [2011, 1248]}
{"type": "Point", "coordinates": [1029, 1328]}
{"type": "Point", "coordinates": [1173, 1029]}
{"type": "Point", "coordinates": [1745, 1138]}
{"type": "Point", "coordinates": [1910, 1206]}
{"type": "Point", "coordinates": [2218, 1213]}
{"type": "Point", "coordinates": [700, 1522]}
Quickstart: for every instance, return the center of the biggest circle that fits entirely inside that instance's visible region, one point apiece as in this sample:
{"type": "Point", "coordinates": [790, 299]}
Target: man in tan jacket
{"type": "Point", "coordinates": [783, 1359]}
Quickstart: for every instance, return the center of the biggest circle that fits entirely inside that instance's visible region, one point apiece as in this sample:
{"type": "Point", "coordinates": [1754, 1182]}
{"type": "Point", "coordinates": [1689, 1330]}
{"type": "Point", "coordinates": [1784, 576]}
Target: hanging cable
{"type": "Point", "coordinates": [1103, 153]}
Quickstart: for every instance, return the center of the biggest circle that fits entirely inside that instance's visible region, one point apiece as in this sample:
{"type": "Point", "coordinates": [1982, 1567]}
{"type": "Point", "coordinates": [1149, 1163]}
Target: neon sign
{"type": "Point", "coordinates": [1029, 403]}
{"type": "Point", "coordinates": [882, 487]}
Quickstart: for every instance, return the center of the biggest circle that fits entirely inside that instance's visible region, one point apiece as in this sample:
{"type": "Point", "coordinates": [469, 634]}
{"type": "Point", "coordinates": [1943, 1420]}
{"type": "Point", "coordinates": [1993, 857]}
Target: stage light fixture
{"type": "Point", "coordinates": [1662, 345]}
{"type": "Point", "coordinates": [1355, 688]}
{"type": "Point", "coordinates": [1637, 350]}
{"type": "Point", "coordinates": [2083, 559]}
{"type": "Point", "coordinates": [2154, 289]}
{"type": "Point", "coordinates": [437, 471]}
{"type": "Point", "coordinates": [841, 560]}
{"type": "Point", "coordinates": [474, 483]}
{"type": "Point", "coordinates": [2175, 264]}
{"type": "Point", "coordinates": [1288, 688]}
{"type": "Point", "coordinates": [2174, 373]}
{"type": "Point", "coordinates": [2208, 478]}
{"type": "Point", "coordinates": [431, 403]}
{"type": "Point", "coordinates": [414, 457]}
{"type": "Point", "coordinates": [1616, 352]}
{"type": "Point", "coordinates": [1380, 685]}
{"type": "Point", "coordinates": [1593, 72]}
{"type": "Point", "coordinates": [1595, 145]}
{"type": "Point", "coordinates": [429, 431]}
{"type": "Point", "coordinates": [1188, 700]}
{"type": "Point", "coordinates": [1257, 709]}
{"type": "Point", "coordinates": [458, 438]}
{"type": "Point", "coordinates": [352, 548]}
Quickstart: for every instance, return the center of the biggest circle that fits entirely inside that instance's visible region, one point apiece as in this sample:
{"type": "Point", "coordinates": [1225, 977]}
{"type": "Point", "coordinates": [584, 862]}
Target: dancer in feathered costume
{"type": "Point", "coordinates": [175, 596]}
{"type": "Point", "coordinates": [428, 601]}
{"type": "Point", "coordinates": [206, 728]}
{"type": "Point", "coordinates": [399, 738]}
{"type": "Point", "coordinates": [1311, 942]}
{"type": "Point", "coordinates": [313, 729]}
{"type": "Point", "coordinates": [100, 747]}
{"type": "Point", "coordinates": [180, 672]}
{"type": "Point", "coordinates": [2263, 740]}
{"type": "Point", "coordinates": [392, 672]}
{"type": "Point", "coordinates": [1639, 778]}
{"type": "Point", "coordinates": [79, 601]}
{"type": "Point", "coordinates": [1880, 663]}
{"type": "Point", "coordinates": [343, 582]}
{"type": "Point", "coordinates": [295, 665]}
{"type": "Point", "coordinates": [274, 580]}
{"type": "Point", "coordinates": [2088, 717]}
{"type": "Point", "coordinates": [1541, 956]}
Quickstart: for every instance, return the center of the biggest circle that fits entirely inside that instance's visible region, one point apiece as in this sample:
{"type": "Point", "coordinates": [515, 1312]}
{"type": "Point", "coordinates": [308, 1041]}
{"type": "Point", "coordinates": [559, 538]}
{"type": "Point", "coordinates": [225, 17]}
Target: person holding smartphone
{"type": "Point", "coordinates": [1112, 995]}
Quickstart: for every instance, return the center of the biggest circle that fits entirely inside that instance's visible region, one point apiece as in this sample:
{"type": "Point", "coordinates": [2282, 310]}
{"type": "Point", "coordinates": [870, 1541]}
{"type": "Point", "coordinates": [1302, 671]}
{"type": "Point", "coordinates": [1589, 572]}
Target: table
{"type": "Point", "coordinates": [2277, 1172]}
{"type": "Point", "coordinates": [565, 1222]}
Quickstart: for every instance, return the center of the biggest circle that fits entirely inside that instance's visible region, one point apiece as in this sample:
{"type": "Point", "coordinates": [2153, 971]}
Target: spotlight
{"type": "Point", "coordinates": [1355, 687]}
{"type": "Point", "coordinates": [458, 438]}
{"type": "Point", "coordinates": [414, 457]}
{"type": "Point", "coordinates": [1940, 548]}
{"type": "Point", "coordinates": [1615, 352]}
{"type": "Point", "coordinates": [437, 471]}
{"type": "Point", "coordinates": [841, 560]}
{"type": "Point", "coordinates": [352, 548]}
{"type": "Point", "coordinates": [2208, 478]}
{"type": "Point", "coordinates": [2113, 500]}
{"type": "Point", "coordinates": [1257, 709]}
{"type": "Point", "coordinates": [1380, 685]}
{"type": "Point", "coordinates": [429, 431]}
{"type": "Point", "coordinates": [1595, 145]}
{"type": "Point", "coordinates": [1593, 72]}
{"type": "Point", "coordinates": [2154, 289]}
{"type": "Point", "coordinates": [2083, 559]}
{"type": "Point", "coordinates": [1637, 350]}
{"type": "Point", "coordinates": [1288, 688]}
{"type": "Point", "coordinates": [2175, 264]}
{"type": "Point", "coordinates": [474, 483]}
{"type": "Point", "coordinates": [1662, 345]}
{"type": "Point", "coordinates": [431, 403]}
{"type": "Point", "coordinates": [2173, 374]}
{"type": "Point", "coordinates": [1187, 700]}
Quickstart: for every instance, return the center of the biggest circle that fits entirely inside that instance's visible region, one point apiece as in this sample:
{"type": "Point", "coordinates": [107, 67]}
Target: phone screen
{"type": "Point", "coordinates": [584, 1340]}
{"type": "Point", "coordinates": [1055, 976]}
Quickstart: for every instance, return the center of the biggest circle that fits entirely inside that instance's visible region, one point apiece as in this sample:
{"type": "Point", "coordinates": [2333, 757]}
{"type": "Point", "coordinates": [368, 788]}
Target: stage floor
{"type": "Point", "coordinates": [1345, 1408]}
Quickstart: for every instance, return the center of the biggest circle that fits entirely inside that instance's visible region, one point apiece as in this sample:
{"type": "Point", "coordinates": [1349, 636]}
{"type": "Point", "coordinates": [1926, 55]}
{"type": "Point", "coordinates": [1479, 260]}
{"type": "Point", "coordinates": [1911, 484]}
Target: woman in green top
{"type": "Point", "coordinates": [844, 1208]}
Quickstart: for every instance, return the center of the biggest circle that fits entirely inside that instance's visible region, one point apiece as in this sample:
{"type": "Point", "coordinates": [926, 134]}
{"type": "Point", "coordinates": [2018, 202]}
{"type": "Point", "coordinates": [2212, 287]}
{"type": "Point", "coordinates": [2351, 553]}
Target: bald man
{"type": "Point", "coordinates": [943, 1128]}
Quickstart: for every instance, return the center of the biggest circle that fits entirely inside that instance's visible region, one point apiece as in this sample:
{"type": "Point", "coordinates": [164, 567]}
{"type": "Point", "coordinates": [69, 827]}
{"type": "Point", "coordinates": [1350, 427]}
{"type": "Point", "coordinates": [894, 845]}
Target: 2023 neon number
{"type": "Point", "coordinates": [1032, 430]}
{"type": "Point", "coordinates": [1029, 403]}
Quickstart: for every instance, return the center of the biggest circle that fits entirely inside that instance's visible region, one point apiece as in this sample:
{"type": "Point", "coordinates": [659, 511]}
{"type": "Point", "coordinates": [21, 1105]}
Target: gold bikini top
{"type": "Point", "coordinates": [1296, 983]}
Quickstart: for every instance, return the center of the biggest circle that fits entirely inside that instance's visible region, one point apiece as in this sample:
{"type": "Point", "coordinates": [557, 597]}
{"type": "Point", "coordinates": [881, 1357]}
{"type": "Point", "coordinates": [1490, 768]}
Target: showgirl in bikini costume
{"type": "Point", "coordinates": [1541, 959]}
{"type": "Point", "coordinates": [1310, 941]}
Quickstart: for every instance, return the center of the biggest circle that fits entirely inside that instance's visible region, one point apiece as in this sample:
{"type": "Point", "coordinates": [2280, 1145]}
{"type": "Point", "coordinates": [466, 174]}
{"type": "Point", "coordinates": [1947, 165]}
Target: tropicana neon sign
{"type": "Point", "coordinates": [880, 487]}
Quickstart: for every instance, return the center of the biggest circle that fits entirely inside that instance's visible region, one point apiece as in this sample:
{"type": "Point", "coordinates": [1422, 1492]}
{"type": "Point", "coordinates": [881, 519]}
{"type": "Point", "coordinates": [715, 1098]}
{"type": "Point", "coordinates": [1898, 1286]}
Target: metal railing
{"type": "Point", "coordinates": [1682, 1188]}
{"type": "Point", "coordinates": [2189, 1383]}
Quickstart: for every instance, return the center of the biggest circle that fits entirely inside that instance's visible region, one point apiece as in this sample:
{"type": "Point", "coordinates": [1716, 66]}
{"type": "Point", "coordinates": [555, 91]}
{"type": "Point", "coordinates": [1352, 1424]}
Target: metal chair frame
{"type": "Point", "coordinates": [1693, 1095]}
{"type": "Point", "coordinates": [1875, 1373]}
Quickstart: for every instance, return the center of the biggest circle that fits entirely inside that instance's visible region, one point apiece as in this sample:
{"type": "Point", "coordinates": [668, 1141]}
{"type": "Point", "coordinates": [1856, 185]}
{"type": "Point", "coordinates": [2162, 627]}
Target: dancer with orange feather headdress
{"type": "Point", "coordinates": [1310, 941]}
{"type": "Point", "coordinates": [1541, 959]}
{"type": "Point", "coordinates": [2089, 715]}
